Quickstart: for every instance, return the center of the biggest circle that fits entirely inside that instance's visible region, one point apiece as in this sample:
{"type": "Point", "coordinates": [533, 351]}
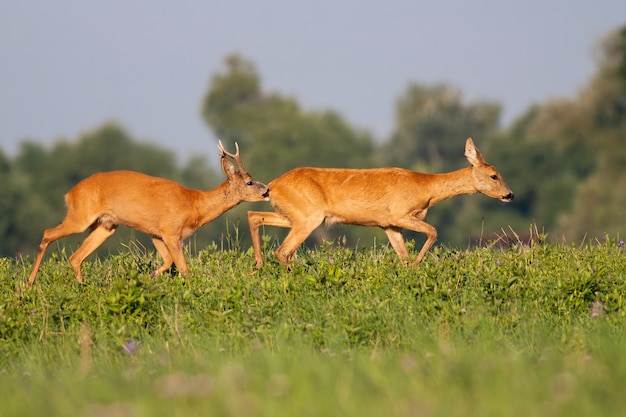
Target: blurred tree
{"type": "Point", "coordinates": [9, 197]}
{"type": "Point", "coordinates": [614, 49]}
{"type": "Point", "coordinates": [432, 123]}
{"type": "Point", "coordinates": [276, 135]}
{"type": "Point", "coordinates": [239, 88]}
{"type": "Point", "coordinates": [565, 157]}
{"type": "Point", "coordinates": [543, 175]}
{"type": "Point", "coordinates": [600, 201]}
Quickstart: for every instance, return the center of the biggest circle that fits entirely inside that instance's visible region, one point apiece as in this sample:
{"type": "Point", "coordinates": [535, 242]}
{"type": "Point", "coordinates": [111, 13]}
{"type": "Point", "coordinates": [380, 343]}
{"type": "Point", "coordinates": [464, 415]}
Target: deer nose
{"type": "Point", "coordinates": [508, 197]}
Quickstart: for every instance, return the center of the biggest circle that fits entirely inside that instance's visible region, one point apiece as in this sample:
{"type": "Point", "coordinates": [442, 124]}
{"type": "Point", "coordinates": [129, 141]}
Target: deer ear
{"type": "Point", "coordinates": [472, 153]}
{"type": "Point", "coordinates": [228, 167]}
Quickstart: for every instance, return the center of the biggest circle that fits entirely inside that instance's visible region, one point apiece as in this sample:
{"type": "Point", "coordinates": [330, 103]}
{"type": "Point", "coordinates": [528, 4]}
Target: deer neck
{"type": "Point", "coordinates": [450, 184]}
{"type": "Point", "coordinates": [212, 203]}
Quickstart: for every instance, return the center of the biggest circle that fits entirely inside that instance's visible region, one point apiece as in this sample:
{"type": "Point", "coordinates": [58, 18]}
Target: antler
{"type": "Point", "coordinates": [225, 153]}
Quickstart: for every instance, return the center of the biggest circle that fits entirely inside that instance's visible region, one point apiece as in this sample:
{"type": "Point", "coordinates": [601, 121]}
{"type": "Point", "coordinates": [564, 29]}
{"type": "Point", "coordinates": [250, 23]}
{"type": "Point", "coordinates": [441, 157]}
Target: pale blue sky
{"type": "Point", "coordinates": [67, 66]}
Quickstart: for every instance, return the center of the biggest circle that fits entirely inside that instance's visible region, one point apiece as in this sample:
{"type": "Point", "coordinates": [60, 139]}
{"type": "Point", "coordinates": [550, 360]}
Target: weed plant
{"type": "Point", "coordinates": [516, 331]}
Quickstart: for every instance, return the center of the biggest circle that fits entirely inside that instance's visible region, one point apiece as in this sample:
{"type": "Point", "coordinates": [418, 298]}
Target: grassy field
{"type": "Point", "coordinates": [522, 331]}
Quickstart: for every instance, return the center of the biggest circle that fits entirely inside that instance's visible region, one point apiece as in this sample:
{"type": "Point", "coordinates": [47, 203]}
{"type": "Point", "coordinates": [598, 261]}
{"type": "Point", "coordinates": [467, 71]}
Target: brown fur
{"type": "Point", "coordinates": [164, 209]}
{"type": "Point", "coordinates": [390, 198]}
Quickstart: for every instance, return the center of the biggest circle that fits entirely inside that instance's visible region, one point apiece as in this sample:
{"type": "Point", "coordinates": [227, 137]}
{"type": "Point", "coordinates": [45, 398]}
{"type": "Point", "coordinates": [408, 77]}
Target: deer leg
{"type": "Point", "coordinates": [394, 234]}
{"type": "Point", "coordinates": [175, 248]}
{"type": "Point", "coordinates": [66, 228]}
{"type": "Point", "coordinates": [165, 254]}
{"type": "Point", "coordinates": [257, 219]}
{"type": "Point", "coordinates": [299, 232]}
{"type": "Point", "coordinates": [95, 238]}
{"type": "Point", "coordinates": [421, 226]}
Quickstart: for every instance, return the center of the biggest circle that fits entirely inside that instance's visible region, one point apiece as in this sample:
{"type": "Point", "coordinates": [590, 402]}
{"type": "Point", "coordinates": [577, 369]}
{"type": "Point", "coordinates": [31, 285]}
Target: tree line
{"type": "Point", "coordinates": [564, 159]}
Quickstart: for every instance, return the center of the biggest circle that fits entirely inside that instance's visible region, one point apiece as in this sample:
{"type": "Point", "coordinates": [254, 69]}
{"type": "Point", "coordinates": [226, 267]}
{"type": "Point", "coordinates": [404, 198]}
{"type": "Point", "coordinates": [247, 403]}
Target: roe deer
{"type": "Point", "coordinates": [164, 209]}
{"type": "Point", "coordinates": [390, 198]}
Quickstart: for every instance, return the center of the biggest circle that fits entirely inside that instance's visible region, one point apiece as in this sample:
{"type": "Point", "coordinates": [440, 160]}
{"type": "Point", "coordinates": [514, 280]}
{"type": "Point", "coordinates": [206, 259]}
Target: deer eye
{"type": "Point", "coordinates": [250, 183]}
{"type": "Point", "coordinates": [494, 177]}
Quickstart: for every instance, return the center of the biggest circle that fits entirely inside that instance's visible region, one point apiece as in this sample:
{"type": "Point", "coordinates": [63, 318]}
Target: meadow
{"type": "Point", "coordinates": [496, 330]}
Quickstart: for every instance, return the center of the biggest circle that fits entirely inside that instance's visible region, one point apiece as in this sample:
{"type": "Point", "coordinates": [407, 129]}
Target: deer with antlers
{"type": "Point", "coordinates": [164, 209]}
{"type": "Point", "coordinates": [390, 198]}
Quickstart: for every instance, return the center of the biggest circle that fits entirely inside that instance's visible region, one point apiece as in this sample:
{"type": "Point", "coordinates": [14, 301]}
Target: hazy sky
{"type": "Point", "coordinates": [67, 66]}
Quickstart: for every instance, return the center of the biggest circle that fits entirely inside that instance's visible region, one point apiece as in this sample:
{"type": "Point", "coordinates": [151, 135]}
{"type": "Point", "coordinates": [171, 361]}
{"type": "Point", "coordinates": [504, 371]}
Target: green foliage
{"type": "Point", "coordinates": [525, 330]}
{"type": "Point", "coordinates": [432, 123]}
{"type": "Point", "coordinates": [544, 176]}
{"type": "Point", "coordinates": [595, 123]}
{"type": "Point", "coordinates": [615, 51]}
{"type": "Point", "coordinates": [8, 207]}
{"type": "Point", "coordinates": [277, 135]}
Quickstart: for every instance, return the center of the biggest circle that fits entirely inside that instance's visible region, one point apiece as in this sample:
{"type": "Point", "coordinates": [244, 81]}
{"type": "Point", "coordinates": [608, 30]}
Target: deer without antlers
{"type": "Point", "coordinates": [390, 198]}
{"type": "Point", "coordinates": [164, 209]}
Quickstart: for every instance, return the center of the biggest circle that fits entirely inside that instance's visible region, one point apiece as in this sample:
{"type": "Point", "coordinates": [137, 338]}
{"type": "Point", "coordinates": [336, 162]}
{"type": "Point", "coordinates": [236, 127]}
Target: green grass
{"type": "Point", "coordinates": [519, 331]}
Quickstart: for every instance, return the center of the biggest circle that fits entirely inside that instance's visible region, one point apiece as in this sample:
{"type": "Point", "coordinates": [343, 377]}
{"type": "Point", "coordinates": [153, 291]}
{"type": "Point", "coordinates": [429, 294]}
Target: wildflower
{"type": "Point", "coordinates": [130, 347]}
{"type": "Point", "coordinates": [597, 309]}
{"type": "Point", "coordinates": [621, 243]}
{"type": "Point", "coordinates": [498, 262]}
